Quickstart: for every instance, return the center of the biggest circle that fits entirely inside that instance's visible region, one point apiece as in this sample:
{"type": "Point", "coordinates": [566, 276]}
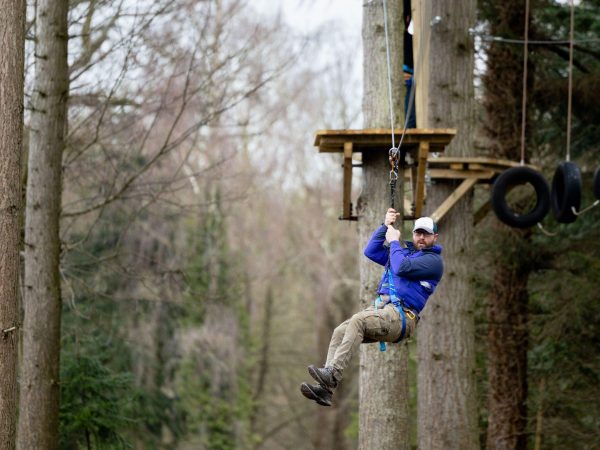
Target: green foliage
{"type": "Point", "coordinates": [211, 412]}
{"type": "Point", "coordinates": [96, 404]}
{"type": "Point", "coordinates": [99, 356]}
{"type": "Point", "coordinates": [565, 325]}
{"type": "Point", "coordinates": [213, 395]}
{"type": "Point", "coordinates": [208, 271]}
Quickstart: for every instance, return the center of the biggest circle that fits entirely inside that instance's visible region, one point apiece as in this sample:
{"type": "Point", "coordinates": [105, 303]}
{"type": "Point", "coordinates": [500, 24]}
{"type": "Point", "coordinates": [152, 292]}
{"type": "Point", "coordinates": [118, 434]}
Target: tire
{"type": "Point", "coordinates": [566, 192]}
{"type": "Point", "coordinates": [597, 183]}
{"type": "Point", "coordinates": [517, 176]}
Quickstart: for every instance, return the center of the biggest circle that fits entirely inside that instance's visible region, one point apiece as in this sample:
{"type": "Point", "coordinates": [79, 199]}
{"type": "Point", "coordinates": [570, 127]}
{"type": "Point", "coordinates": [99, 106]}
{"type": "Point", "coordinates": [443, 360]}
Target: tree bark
{"type": "Point", "coordinates": [12, 39]}
{"type": "Point", "coordinates": [383, 378]}
{"type": "Point", "coordinates": [507, 352]}
{"type": "Point", "coordinates": [509, 256]}
{"type": "Point", "coordinates": [39, 401]}
{"type": "Point", "coordinates": [447, 404]}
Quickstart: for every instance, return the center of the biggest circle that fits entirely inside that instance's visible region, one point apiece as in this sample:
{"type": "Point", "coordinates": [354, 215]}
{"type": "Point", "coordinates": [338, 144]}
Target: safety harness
{"type": "Point", "coordinates": [398, 304]}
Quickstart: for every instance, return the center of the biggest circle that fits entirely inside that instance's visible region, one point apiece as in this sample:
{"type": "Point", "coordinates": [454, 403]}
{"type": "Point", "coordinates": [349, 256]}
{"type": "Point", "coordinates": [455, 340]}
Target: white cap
{"type": "Point", "coordinates": [425, 224]}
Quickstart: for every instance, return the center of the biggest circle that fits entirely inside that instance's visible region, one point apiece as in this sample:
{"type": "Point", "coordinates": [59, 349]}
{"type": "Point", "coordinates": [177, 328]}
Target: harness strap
{"type": "Point", "coordinates": [397, 304]}
{"type": "Point", "coordinates": [401, 311]}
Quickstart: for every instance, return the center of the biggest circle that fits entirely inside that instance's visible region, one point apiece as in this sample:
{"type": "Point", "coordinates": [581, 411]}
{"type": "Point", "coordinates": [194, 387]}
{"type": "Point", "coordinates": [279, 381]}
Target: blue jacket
{"type": "Point", "coordinates": [416, 273]}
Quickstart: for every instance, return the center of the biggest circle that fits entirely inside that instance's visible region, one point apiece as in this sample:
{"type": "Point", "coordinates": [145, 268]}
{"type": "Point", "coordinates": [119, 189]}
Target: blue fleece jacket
{"type": "Point", "coordinates": [416, 273]}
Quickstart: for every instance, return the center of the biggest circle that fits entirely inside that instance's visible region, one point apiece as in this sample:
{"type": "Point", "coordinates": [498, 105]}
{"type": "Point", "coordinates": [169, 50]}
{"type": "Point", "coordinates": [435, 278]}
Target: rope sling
{"type": "Point", "coordinates": [394, 158]}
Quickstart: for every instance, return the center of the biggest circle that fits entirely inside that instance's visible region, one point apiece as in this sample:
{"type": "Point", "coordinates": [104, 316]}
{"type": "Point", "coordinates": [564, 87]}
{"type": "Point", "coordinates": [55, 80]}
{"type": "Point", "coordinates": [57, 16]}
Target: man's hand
{"type": "Point", "coordinates": [391, 216]}
{"type": "Point", "coordinates": [392, 234]}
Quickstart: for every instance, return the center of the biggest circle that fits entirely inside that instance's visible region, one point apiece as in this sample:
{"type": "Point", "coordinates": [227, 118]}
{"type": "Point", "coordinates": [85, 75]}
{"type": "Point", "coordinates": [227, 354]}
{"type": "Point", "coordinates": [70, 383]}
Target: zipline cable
{"type": "Point", "coordinates": [500, 39]}
{"type": "Point", "coordinates": [389, 71]}
{"type": "Point", "coordinates": [394, 151]}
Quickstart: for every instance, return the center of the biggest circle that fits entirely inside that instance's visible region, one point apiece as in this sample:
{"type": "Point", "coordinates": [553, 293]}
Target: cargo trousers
{"type": "Point", "coordinates": [367, 326]}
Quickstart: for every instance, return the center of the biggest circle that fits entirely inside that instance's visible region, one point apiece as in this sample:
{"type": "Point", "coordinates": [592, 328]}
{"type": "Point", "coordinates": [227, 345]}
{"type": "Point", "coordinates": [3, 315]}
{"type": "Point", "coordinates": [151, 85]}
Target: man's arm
{"type": "Point", "coordinates": [375, 249]}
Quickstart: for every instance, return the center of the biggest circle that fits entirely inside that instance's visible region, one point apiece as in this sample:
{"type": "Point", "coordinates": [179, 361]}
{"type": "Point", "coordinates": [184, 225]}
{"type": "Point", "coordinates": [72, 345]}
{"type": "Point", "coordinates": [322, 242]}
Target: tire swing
{"type": "Point", "coordinates": [566, 192]}
{"type": "Point", "coordinates": [522, 174]}
{"type": "Point", "coordinates": [566, 184]}
{"type": "Point", "coordinates": [517, 176]}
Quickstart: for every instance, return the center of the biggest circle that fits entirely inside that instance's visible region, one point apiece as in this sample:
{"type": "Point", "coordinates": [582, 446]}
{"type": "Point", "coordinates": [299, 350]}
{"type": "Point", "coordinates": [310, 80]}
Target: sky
{"type": "Point", "coordinates": [307, 15]}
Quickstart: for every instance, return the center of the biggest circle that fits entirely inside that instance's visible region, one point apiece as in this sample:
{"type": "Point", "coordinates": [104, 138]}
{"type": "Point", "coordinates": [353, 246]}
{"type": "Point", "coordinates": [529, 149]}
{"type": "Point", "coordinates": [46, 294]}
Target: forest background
{"type": "Point", "coordinates": [202, 264]}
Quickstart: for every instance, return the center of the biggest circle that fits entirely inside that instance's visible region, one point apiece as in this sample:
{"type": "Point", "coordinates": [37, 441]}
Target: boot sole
{"type": "Point", "coordinates": [313, 372]}
{"type": "Point", "coordinates": [312, 395]}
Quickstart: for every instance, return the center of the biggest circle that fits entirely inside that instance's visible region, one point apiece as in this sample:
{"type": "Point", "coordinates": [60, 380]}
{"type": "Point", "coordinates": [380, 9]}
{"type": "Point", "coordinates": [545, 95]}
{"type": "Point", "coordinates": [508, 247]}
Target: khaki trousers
{"type": "Point", "coordinates": [366, 326]}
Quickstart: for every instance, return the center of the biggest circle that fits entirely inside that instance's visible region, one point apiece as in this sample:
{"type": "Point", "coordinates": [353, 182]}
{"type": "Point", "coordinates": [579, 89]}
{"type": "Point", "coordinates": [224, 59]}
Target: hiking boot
{"type": "Point", "coordinates": [324, 376]}
{"type": "Point", "coordinates": [317, 393]}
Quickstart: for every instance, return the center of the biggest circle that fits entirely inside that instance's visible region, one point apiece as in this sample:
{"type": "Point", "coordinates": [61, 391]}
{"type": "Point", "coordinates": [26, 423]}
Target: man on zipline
{"type": "Point", "coordinates": [412, 272]}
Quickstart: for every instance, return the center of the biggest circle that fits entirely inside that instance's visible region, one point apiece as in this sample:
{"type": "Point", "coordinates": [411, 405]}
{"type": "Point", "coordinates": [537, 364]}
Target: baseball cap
{"type": "Point", "coordinates": [425, 224]}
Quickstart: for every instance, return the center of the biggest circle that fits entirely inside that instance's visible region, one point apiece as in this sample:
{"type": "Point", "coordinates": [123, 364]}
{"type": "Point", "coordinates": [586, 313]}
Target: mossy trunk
{"type": "Point", "coordinates": [39, 400]}
{"type": "Point", "coordinates": [508, 297]}
{"type": "Point", "coordinates": [447, 404]}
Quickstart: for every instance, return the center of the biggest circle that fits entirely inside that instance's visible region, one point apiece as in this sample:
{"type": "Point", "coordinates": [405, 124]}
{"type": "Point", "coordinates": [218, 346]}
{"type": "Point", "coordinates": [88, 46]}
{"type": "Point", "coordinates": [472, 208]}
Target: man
{"type": "Point", "coordinates": [414, 269]}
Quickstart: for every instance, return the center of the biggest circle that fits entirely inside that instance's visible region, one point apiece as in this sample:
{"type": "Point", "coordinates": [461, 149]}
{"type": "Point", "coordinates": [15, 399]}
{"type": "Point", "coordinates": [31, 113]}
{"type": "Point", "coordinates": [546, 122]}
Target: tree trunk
{"type": "Point", "coordinates": [12, 22]}
{"type": "Point", "coordinates": [508, 301]}
{"type": "Point", "coordinates": [39, 401]}
{"type": "Point", "coordinates": [447, 404]}
{"type": "Point", "coordinates": [383, 378]}
{"type": "Point", "coordinates": [507, 351]}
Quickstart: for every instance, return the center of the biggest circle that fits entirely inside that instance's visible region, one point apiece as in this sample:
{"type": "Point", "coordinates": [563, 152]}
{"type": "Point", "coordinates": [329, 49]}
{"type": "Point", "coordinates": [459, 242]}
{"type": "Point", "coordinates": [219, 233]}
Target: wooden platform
{"type": "Point", "coordinates": [379, 138]}
{"type": "Point", "coordinates": [418, 141]}
{"type": "Point", "coordinates": [423, 145]}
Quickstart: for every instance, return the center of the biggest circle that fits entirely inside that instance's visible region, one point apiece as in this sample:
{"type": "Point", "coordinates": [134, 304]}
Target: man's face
{"type": "Point", "coordinates": [422, 239]}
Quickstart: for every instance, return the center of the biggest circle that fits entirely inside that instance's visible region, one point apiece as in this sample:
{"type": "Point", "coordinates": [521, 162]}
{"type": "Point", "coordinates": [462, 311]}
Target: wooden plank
{"type": "Point", "coordinates": [460, 174]}
{"type": "Point", "coordinates": [420, 183]}
{"type": "Point", "coordinates": [473, 161]}
{"type": "Point", "coordinates": [477, 166]}
{"type": "Point", "coordinates": [453, 198]}
{"type": "Point", "coordinates": [482, 212]}
{"type": "Point", "coordinates": [347, 187]}
{"type": "Point", "coordinates": [450, 174]}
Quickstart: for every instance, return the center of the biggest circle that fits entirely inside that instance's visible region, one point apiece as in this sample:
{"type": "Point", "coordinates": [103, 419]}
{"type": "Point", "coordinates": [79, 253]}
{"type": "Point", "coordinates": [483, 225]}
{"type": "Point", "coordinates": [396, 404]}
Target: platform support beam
{"type": "Point", "coordinates": [347, 187]}
{"type": "Point", "coordinates": [420, 182]}
{"type": "Point", "coordinates": [453, 198]}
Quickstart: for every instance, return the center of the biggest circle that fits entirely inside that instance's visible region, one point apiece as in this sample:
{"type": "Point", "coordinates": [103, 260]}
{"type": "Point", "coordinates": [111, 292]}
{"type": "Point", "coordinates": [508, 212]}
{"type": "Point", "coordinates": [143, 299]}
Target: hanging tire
{"type": "Point", "coordinates": [597, 183]}
{"type": "Point", "coordinates": [513, 177]}
{"type": "Point", "coordinates": [566, 192]}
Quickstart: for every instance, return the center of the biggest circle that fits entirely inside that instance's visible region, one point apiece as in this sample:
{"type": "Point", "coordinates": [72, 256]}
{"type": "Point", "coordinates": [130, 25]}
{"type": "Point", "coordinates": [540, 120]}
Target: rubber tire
{"type": "Point", "coordinates": [513, 177]}
{"type": "Point", "coordinates": [566, 192]}
{"type": "Point", "coordinates": [597, 183]}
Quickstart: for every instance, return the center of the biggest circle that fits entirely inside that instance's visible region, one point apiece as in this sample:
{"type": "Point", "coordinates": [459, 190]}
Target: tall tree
{"type": "Point", "coordinates": [447, 412]}
{"type": "Point", "coordinates": [511, 251]}
{"type": "Point", "coordinates": [383, 378]}
{"type": "Point", "coordinates": [12, 38]}
{"type": "Point", "coordinates": [39, 400]}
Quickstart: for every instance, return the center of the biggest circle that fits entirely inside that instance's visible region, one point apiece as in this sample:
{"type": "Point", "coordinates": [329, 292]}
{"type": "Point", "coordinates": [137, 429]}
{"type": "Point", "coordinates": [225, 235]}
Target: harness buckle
{"type": "Point", "coordinates": [410, 314]}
